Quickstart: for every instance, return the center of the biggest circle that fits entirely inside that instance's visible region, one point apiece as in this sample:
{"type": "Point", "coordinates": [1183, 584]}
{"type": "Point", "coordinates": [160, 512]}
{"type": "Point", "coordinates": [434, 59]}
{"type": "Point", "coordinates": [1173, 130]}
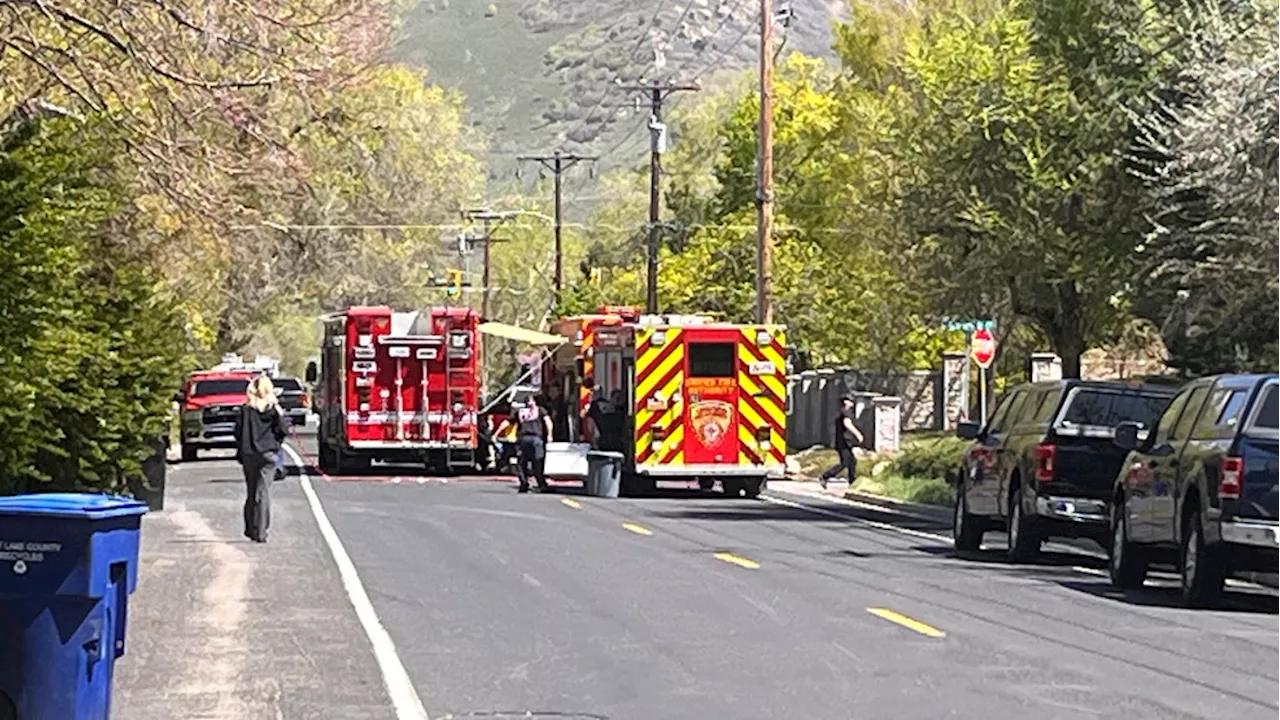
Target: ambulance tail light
{"type": "Point", "coordinates": [656, 437]}
{"type": "Point", "coordinates": [763, 437]}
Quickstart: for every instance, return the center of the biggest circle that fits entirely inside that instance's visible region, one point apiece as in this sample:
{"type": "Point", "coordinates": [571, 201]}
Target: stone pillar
{"type": "Point", "coordinates": [888, 423]}
{"type": "Point", "coordinates": [1045, 366]}
{"type": "Point", "coordinates": [954, 398]}
{"type": "Point", "coordinates": [864, 410]}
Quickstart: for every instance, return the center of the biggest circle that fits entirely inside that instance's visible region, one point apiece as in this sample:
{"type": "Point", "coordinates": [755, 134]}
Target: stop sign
{"type": "Point", "coordinates": [984, 347]}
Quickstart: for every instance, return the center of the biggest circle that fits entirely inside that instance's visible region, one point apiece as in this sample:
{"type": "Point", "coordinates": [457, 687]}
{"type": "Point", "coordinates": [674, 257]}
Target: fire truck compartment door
{"type": "Point", "coordinates": [711, 403]}
{"type": "Point", "coordinates": [567, 460]}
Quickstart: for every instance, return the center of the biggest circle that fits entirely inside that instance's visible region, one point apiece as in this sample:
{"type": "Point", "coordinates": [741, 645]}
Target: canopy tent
{"type": "Point", "coordinates": [519, 334]}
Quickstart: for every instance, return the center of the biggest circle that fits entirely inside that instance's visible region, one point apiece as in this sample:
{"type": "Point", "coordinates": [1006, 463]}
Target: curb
{"type": "Point", "coordinates": [938, 512]}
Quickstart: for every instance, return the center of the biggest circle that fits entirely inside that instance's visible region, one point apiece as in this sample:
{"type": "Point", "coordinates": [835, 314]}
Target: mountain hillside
{"type": "Point", "coordinates": [545, 73]}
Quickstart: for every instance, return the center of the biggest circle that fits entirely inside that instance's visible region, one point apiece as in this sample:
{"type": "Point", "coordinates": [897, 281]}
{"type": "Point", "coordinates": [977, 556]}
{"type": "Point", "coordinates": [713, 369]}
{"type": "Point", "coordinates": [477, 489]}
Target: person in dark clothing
{"type": "Point", "coordinates": [558, 407]}
{"type": "Point", "coordinates": [597, 409]}
{"type": "Point", "coordinates": [533, 427]}
{"type": "Point", "coordinates": [847, 438]}
{"type": "Point", "coordinates": [612, 423]}
{"type": "Point", "coordinates": [259, 431]}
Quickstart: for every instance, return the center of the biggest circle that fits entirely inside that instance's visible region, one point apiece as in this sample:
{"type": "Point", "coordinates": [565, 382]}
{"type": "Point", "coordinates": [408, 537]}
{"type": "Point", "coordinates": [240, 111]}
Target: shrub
{"type": "Point", "coordinates": [930, 491]}
{"type": "Point", "coordinates": [936, 458]}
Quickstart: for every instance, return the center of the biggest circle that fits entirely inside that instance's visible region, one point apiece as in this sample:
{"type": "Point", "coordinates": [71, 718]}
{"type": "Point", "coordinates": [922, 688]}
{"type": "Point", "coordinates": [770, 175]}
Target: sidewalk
{"type": "Point", "coordinates": [224, 629]}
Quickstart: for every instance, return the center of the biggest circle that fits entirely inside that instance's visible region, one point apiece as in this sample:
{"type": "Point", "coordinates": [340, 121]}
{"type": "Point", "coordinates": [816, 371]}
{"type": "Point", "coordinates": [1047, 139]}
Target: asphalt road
{"type": "Point", "coordinates": [693, 606]}
{"type": "Point", "coordinates": [684, 605]}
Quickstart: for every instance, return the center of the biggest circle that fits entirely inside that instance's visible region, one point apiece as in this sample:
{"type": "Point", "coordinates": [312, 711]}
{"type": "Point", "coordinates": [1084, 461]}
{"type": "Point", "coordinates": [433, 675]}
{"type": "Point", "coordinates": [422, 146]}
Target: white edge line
{"type": "Point", "coordinates": [848, 518]}
{"type": "Point", "coordinates": [404, 698]}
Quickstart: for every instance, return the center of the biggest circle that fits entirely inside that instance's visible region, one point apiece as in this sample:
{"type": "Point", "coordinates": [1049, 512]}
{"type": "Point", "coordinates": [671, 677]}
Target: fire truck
{"type": "Point", "coordinates": [398, 387]}
{"type": "Point", "coordinates": [703, 400]}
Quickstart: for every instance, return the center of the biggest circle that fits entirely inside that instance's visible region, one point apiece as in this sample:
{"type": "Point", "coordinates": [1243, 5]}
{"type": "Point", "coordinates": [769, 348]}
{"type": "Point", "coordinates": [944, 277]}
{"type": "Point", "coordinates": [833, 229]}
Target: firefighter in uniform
{"type": "Point", "coordinates": [533, 427]}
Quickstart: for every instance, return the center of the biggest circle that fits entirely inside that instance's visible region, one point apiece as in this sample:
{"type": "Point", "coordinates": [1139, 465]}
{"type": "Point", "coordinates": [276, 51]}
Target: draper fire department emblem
{"type": "Point", "coordinates": [711, 422]}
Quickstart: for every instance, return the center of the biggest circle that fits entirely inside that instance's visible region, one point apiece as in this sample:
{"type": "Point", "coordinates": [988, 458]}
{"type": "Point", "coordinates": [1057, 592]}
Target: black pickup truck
{"type": "Point", "coordinates": [1200, 491]}
{"type": "Point", "coordinates": [1045, 463]}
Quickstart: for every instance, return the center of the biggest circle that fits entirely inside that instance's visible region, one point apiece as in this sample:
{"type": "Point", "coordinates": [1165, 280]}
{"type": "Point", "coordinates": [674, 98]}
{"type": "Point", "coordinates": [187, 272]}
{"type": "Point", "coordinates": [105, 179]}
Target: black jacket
{"type": "Point", "coordinates": [258, 432]}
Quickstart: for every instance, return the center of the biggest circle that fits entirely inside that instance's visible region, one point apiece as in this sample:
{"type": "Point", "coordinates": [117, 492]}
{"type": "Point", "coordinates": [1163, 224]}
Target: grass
{"type": "Point", "coordinates": [929, 491]}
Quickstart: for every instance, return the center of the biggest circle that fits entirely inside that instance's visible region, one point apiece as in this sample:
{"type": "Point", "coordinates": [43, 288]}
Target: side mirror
{"type": "Point", "coordinates": [968, 431]}
{"type": "Point", "coordinates": [312, 372]}
{"type": "Point", "coordinates": [1126, 437]}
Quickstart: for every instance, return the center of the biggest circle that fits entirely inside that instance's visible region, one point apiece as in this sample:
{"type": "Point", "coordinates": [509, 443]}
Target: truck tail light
{"type": "Point", "coordinates": [306, 400]}
{"type": "Point", "coordinates": [1230, 473]}
{"type": "Point", "coordinates": [1044, 462]}
{"type": "Point", "coordinates": [656, 436]}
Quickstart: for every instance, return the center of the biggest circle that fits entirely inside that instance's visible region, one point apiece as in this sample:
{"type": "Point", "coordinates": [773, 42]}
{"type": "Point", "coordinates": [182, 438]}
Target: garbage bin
{"type": "Point", "coordinates": [148, 486]}
{"type": "Point", "coordinates": [68, 562]}
{"type": "Point", "coordinates": [604, 473]}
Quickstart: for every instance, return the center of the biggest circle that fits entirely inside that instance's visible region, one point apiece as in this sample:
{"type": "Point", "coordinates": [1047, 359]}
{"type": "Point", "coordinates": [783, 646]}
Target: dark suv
{"type": "Point", "coordinates": [1045, 463]}
{"type": "Point", "coordinates": [1201, 490]}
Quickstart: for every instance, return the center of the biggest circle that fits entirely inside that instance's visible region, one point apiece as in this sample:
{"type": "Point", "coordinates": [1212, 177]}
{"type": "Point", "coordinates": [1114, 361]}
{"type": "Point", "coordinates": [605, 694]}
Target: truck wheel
{"type": "Point", "coordinates": [1201, 566]}
{"type": "Point", "coordinates": [751, 487]}
{"type": "Point", "coordinates": [1024, 536]}
{"type": "Point", "coordinates": [966, 529]}
{"type": "Point", "coordinates": [1128, 562]}
{"type": "Point", "coordinates": [190, 453]}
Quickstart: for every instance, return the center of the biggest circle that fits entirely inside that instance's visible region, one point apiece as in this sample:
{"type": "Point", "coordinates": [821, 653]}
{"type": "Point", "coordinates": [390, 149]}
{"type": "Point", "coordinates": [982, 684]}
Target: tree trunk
{"type": "Point", "coordinates": [1068, 329]}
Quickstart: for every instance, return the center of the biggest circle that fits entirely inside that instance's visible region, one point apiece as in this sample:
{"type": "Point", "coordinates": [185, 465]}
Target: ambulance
{"type": "Point", "coordinates": [702, 400]}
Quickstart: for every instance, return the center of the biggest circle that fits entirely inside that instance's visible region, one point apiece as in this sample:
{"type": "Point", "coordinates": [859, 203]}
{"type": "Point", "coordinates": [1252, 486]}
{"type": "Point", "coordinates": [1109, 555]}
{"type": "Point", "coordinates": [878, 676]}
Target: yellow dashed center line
{"type": "Point", "coordinates": [571, 503]}
{"type": "Point", "coordinates": [637, 529]}
{"type": "Point", "coordinates": [737, 560]}
{"type": "Point", "coordinates": [906, 622]}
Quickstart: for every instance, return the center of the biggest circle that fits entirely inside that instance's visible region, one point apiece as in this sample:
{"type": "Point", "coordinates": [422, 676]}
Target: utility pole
{"type": "Point", "coordinates": [557, 163]}
{"type": "Point", "coordinates": [658, 92]}
{"type": "Point", "coordinates": [488, 217]}
{"type": "Point", "coordinates": [764, 170]}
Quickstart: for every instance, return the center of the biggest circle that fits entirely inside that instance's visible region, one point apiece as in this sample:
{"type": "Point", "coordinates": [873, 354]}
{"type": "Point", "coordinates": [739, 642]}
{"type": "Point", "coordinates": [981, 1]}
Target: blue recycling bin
{"type": "Point", "coordinates": [68, 562]}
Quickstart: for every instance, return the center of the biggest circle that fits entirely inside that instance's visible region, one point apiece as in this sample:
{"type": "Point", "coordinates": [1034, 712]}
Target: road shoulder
{"type": "Point", "coordinates": [224, 628]}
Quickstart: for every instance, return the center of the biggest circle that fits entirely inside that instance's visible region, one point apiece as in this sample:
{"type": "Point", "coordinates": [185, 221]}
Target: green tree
{"type": "Point", "coordinates": [94, 344]}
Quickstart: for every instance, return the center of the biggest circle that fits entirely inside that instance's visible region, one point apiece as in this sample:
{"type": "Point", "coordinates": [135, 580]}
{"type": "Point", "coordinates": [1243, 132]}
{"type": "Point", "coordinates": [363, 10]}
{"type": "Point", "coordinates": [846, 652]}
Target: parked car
{"type": "Point", "coordinates": [1045, 463]}
{"type": "Point", "coordinates": [1200, 491]}
{"type": "Point", "coordinates": [294, 401]}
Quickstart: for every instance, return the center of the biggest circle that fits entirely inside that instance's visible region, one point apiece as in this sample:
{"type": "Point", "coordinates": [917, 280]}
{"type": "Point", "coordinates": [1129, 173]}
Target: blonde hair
{"type": "Point", "coordinates": [262, 393]}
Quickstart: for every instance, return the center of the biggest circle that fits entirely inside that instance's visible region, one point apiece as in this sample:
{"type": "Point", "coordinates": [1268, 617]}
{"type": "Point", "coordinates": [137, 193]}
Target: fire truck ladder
{"type": "Point", "coordinates": [455, 457]}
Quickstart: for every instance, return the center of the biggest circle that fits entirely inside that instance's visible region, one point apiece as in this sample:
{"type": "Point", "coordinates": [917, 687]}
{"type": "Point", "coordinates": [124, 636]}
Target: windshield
{"type": "Point", "coordinates": [219, 387]}
{"type": "Point", "coordinates": [1100, 408]}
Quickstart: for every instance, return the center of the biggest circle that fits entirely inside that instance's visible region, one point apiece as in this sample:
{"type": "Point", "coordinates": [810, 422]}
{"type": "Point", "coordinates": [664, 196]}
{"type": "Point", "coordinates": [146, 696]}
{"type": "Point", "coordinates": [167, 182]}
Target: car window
{"type": "Point", "coordinates": [1221, 415]}
{"type": "Point", "coordinates": [219, 387]}
{"type": "Point", "coordinates": [1048, 405]}
{"type": "Point", "coordinates": [1170, 417]}
{"type": "Point", "coordinates": [1087, 407]}
{"type": "Point", "coordinates": [996, 424]}
{"type": "Point", "coordinates": [1265, 416]}
{"type": "Point", "coordinates": [1194, 403]}
{"type": "Point", "coordinates": [288, 384]}
{"type": "Point", "coordinates": [1018, 410]}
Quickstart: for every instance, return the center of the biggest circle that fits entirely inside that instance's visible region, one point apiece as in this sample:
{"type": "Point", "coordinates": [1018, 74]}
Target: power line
{"type": "Point", "coordinates": [558, 162]}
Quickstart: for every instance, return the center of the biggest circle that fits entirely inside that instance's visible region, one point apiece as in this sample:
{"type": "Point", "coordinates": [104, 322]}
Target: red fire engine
{"type": "Point", "coordinates": [398, 387]}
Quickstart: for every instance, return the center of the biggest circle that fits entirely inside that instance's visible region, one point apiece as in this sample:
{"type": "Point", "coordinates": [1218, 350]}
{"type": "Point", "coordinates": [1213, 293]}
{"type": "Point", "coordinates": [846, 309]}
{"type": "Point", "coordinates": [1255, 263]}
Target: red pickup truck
{"type": "Point", "coordinates": [210, 402]}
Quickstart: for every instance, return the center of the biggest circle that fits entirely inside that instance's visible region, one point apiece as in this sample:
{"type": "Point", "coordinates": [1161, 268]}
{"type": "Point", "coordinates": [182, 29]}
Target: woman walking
{"type": "Point", "coordinates": [259, 432]}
